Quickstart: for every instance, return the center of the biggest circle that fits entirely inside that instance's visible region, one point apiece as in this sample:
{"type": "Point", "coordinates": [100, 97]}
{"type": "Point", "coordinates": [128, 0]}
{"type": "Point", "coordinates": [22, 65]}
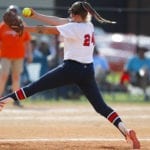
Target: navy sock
{"type": "Point", "coordinates": [17, 95]}
{"type": "Point", "coordinates": [12, 95]}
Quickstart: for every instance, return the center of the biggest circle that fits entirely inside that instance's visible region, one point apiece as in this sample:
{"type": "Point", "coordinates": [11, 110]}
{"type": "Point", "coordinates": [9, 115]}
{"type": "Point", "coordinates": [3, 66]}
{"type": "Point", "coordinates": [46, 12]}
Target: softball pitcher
{"type": "Point", "coordinates": [77, 67]}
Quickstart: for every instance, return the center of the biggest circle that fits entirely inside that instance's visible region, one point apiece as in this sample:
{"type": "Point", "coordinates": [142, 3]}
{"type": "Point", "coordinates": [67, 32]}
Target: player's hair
{"type": "Point", "coordinates": [78, 9]}
{"type": "Point", "coordinates": [83, 8]}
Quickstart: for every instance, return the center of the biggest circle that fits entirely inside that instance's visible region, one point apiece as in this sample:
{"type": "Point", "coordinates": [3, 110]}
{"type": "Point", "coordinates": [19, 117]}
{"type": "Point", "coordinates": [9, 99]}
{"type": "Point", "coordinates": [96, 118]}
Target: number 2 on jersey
{"type": "Point", "coordinates": [88, 39]}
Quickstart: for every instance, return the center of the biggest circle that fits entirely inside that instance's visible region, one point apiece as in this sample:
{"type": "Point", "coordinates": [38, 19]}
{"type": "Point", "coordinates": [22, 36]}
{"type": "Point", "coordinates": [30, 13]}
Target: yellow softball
{"type": "Point", "coordinates": [27, 12]}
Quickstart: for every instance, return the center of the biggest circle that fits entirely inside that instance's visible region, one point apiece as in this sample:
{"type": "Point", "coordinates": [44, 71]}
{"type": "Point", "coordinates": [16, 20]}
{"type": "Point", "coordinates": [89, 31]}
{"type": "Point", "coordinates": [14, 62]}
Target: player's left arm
{"type": "Point", "coordinates": [42, 29]}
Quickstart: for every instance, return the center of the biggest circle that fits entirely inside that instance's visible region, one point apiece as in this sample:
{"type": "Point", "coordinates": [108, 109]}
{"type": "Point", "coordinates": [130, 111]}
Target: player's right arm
{"type": "Point", "coordinates": [51, 20]}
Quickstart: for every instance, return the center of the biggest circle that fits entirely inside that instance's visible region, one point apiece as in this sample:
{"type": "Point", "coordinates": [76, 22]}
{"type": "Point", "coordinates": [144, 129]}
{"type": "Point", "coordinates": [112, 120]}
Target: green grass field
{"type": "Point", "coordinates": [112, 98]}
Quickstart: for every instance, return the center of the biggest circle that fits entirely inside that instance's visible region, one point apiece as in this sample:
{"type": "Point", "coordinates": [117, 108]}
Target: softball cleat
{"type": "Point", "coordinates": [132, 138]}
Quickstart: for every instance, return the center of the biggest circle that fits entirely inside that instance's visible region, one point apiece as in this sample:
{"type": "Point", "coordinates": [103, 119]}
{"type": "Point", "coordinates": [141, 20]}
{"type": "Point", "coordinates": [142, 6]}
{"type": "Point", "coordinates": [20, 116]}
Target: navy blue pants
{"type": "Point", "coordinates": [72, 72]}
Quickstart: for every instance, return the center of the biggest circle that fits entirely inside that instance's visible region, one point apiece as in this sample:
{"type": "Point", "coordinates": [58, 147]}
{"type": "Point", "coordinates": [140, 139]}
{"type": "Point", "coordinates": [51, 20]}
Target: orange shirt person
{"type": "Point", "coordinates": [13, 49]}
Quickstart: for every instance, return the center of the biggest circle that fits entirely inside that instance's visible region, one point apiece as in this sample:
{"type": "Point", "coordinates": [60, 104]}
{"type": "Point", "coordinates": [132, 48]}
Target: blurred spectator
{"type": "Point", "coordinates": [34, 43]}
{"type": "Point", "coordinates": [60, 52]}
{"type": "Point", "coordinates": [138, 69]}
{"type": "Point", "coordinates": [14, 49]}
{"type": "Point", "coordinates": [25, 76]}
{"type": "Point", "coordinates": [44, 54]}
{"type": "Point", "coordinates": [101, 67]}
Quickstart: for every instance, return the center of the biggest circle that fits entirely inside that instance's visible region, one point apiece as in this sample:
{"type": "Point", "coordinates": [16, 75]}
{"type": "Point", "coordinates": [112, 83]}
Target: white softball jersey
{"type": "Point", "coordinates": [78, 41]}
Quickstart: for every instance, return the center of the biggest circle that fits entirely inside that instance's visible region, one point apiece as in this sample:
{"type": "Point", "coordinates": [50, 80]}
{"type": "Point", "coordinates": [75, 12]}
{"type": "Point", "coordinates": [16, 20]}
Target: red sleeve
{"type": "Point", "coordinates": [125, 77]}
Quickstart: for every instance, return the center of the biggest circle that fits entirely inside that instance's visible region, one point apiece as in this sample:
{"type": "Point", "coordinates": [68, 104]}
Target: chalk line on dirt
{"type": "Point", "coordinates": [70, 140]}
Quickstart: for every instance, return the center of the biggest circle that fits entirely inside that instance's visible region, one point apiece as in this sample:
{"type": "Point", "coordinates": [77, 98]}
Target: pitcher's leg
{"type": "Point", "coordinates": [94, 96]}
{"type": "Point", "coordinates": [53, 79]}
{"type": "Point", "coordinates": [91, 91]}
